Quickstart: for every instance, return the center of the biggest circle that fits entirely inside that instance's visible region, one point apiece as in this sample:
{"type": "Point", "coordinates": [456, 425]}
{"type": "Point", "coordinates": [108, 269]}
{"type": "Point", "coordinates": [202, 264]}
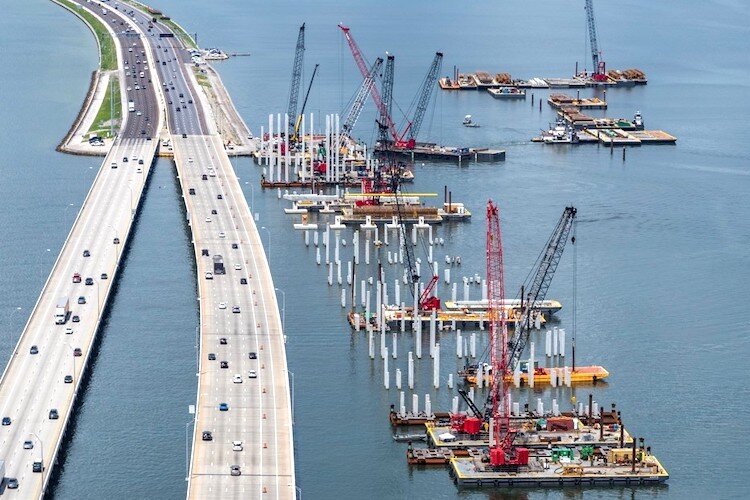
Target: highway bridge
{"type": "Point", "coordinates": [251, 447]}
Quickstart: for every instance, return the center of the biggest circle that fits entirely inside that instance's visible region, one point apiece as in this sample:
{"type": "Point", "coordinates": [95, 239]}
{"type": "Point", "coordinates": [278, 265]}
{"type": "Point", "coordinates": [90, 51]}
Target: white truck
{"type": "Point", "coordinates": [131, 106]}
{"type": "Point", "coordinates": [61, 311]}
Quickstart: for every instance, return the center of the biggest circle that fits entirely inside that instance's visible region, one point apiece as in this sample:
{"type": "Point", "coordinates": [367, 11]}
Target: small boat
{"type": "Point", "coordinates": [638, 120]}
{"type": "Point", "coordinates": [507, 93]}
{"type": "Point", "coordinates": [469, 123]}
{"type": "Point", "coordinates": [561, 133]}
{"type": "Point", "coordinates": [402, 438]}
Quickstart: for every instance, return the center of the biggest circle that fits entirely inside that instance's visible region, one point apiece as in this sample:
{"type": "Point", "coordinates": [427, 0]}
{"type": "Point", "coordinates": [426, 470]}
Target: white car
{"type": "Point", "coordinates": [237, 267]}
{"type": "Point", "coordinates": [237, 379]}
{"type": "Point", "coordinates": [138, 113]}
{"type": "Point", "coordinates": [135, 158]}
{"type": "Point", "coordinates": [236, 445]}
{"type": "Point", "coordinates": [68, 331]}
{"type": "Point", "coordinates": [222, 305]}
{"type": "Point", "coordinates": [139, 170]}
{"type": "Point", "coordinates": [212, 173]}
{"type": "Point", "coordinates": [129, 89]}
{"type": "Point", "coordinates": [252, 374]}
{"type": "Point", "coordinates": [208, 219]}
{"type": "Point", "coordinates": [190, 159]}
{"type": "Point", "coordinates": [222, 235]}
{"type": "Point", "coordinates": [209, 276]}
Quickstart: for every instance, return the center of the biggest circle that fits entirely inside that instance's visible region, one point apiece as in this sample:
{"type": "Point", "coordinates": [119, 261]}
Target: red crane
{"type": "Point", "coordinates": [502, 452]}
{"type": "Point", "coordinates": [407, 138]}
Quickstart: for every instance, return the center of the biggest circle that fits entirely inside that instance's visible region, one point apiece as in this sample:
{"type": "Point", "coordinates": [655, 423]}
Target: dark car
{"type": "Point", "coordinates": [223, 341]}
{"type": "Point", "coordinates": [140, 162]}
{"type": "Point", "coordinates": [34, 350]}
{"type": "Point", "coordinates": [252, 355]}
{"type": "Point", "coordinates": [236, 309]}
{"type": "Point", "coordinates": [81, 300]}
{"type": "Point", "coordinates": [219, 197]}
{"type": "Point", "coordinates": [234, 246]}
{"type": "Point", "coordinates": [178, 109]}
{"type": "Point", "coordinates": [143, 132]}
{"type": "Point", "coordinates": [191, 190]}
{"type": "Point", "coordinates": [124, 159]}
{"type": "Point", "coordinates": [116, 241]}
{"type": "Point", "coordinates": [211, 356]}
{"type": "Point", "coordinates": [184, 136]}
{"type": "Point", "coordinates": [190, 101]}
{"type": "Point", "coordinates": [204, 252]}
{"type": "Point", "coordinates": [243, 281]}
{"type": "Point", "coordinates": [104, 276]}
{"type": "Point", "coordinates": [86, 253]}
{"type": "Point", "coordinates": [68, 379]}
{"type": "Point", "coordinates": [223, 407]}
{"type": "Point", "coordinates": [12, 483]}
{"type": "Point", "coordinates": [89, 281]}
{"type": "Point", "coordinates": [207, 436]}
{"type": "Point", "coordinates": [225, 364]}
{"type": "Point", "coordinates": [77, 352]}
{"type": "Point", "coordinates": [204, 177]}
{"type": "Point", "coordinates": [37, 467]}
{"type": "Point", "coordinates": [53, 415]}
{"type": "Point", "coordinates": [214, 212]}
{"type": "Point", "coordinates": [6, 420]}
{"type": "Point", "coordinates": [181, 95]}
{"type": "Point", "coordinates": [75, 318]}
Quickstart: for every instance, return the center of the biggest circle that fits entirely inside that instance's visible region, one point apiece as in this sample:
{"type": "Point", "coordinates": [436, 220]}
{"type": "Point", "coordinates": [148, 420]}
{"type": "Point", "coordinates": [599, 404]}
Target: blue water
{"type": "Point", "coordinates": [662, 266]}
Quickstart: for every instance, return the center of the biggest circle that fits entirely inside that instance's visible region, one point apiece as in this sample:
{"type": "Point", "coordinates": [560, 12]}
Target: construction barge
{"type": "Point", "coordinates": [561, 101]}
{"type": "Point", "coordinates": [434, 152]}
{"type": "Point", "coordinates": [613, 467]}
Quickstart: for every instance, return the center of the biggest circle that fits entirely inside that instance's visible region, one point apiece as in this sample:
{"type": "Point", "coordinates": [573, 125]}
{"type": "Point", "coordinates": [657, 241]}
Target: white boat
{"type": "Point", "coordinates": [507, 93]}
{"type": "Point", "coordinates": [638, 120]}
{"type": "Point", "coordinates": [469, 123]}
{"type": "Point", "coordinates": [561, 133]}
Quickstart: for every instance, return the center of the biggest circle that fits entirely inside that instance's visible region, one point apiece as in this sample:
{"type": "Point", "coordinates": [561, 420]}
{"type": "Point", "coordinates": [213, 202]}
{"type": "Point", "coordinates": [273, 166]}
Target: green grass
{"type": "Point", "coordinates": [108, 56]}
{"type": "Point", "coordinates": [107, 112]}
{"type": "Point", "coordinates": [202, 79]}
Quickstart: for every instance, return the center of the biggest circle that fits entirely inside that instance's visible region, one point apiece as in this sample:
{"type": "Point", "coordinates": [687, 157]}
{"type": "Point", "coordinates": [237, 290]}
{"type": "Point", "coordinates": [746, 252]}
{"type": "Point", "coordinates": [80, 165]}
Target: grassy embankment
{"type": "Point", "coordinates": [110, 111]}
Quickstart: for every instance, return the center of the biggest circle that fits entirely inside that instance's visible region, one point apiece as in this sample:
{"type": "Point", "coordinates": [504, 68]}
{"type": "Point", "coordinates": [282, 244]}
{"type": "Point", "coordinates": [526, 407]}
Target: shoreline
{"type": "Point", "coordinates": [92, 103]}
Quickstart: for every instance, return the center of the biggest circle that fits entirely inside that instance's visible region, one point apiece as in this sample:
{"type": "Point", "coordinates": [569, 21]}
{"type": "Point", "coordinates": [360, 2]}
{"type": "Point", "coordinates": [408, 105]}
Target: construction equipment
{"type": "Point", "coordinates": [298, 121]}
{"type": "Point", "coordinates": [407, 138]}
{"type": "Point", "coordinates": [546, 266]}
{"type": "Point", "coordinates": [537, 290]}
{"type": "Point", "coordinates": [425, 91]}
{"type": "Point", "coordinates": [299, 54]}
{"type": "Point", "coordinates": [599, 66]}
{"type": "Point", "coordinates": [387, 87]}
{"type": "Point", "coordinates": [408, 250]}
{"type": "Point", "coordinates": [426, 302]}
{"type": "Point", "coordinates": [361, 97]}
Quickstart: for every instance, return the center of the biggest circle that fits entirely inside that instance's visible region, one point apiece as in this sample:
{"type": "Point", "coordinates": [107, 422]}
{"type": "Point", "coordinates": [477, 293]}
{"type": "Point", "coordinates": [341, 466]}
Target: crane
{"type": "Point", "coordinates": [502, 452]}
{"type": "Point", "coordinates": [361, 97]}
{"type": "Point", "coordinates": [599, 67]}
{"type": "Point", "coordinates": [537, 290]}
{"type": "Point", "coordinates": [299, 54]}
{"type": "Point", "coordinates": [428, 84]}
{"type": "Point", "coordinates": [407, 138]}
{"type": "Point", "coordinates": [387, 87]}
{"type": "Point", "coordinates": [545, 271]}
{"type": "Point", "coordinates": [298, 122]}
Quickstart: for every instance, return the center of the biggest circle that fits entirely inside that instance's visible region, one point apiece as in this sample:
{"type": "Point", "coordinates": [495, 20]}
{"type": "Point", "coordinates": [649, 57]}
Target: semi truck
{"type": "Point", "coordinates": [131, 106]}
{"type": "Point", "coordinates": [61, 311]}
{"type": "Point", "coordinates": [218, 265]}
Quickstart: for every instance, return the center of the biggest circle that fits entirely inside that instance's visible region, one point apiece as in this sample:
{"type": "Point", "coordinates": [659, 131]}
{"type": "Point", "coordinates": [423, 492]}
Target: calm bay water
{"type": "Point", "coordinates": [662, 264]}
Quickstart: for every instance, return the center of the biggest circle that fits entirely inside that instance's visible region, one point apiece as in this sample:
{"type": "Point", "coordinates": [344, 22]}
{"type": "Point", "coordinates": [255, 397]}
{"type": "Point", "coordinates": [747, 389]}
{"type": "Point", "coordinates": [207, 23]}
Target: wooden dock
{"type": "Point", "coordinates": [560, 101]}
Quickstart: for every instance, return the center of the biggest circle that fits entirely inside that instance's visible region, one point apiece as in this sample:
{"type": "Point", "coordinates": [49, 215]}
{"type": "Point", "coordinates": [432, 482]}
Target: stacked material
{"type": "Point", "coordinates": [503, 79]}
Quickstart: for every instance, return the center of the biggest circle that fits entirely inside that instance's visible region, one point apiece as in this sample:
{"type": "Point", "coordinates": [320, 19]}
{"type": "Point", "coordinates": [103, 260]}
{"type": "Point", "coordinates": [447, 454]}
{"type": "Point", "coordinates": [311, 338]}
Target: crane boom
{"type": "Point", "coordinates": [502, 438]}
{"type": "Point", "coordinates": [428, 84]}
{"type": "Point", "coordinates": [298, 122]}
{"type": "Point", "coordinates": [359, 59]}
{"type": "Point", "coordinates": [299, 54]}
{"type": "Point", "coordinates": [537, 291]}
{"type": "Point", "coordinates": [361, 97]}
{"type": "Point", "coordinates": [592, 34]}
{"type": "Point", "coordinates": [387, 87]}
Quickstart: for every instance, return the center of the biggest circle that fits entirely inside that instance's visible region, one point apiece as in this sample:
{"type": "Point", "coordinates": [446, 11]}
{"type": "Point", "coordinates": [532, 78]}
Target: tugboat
{"type": "Point", "coordinates": [507, 93]}
{"type": "Point", "coordinates": [638, 121]}
{"type": "Point", "coordinates": [469, 123]}
{"type": "Point", "coordinates": [560, 134]}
